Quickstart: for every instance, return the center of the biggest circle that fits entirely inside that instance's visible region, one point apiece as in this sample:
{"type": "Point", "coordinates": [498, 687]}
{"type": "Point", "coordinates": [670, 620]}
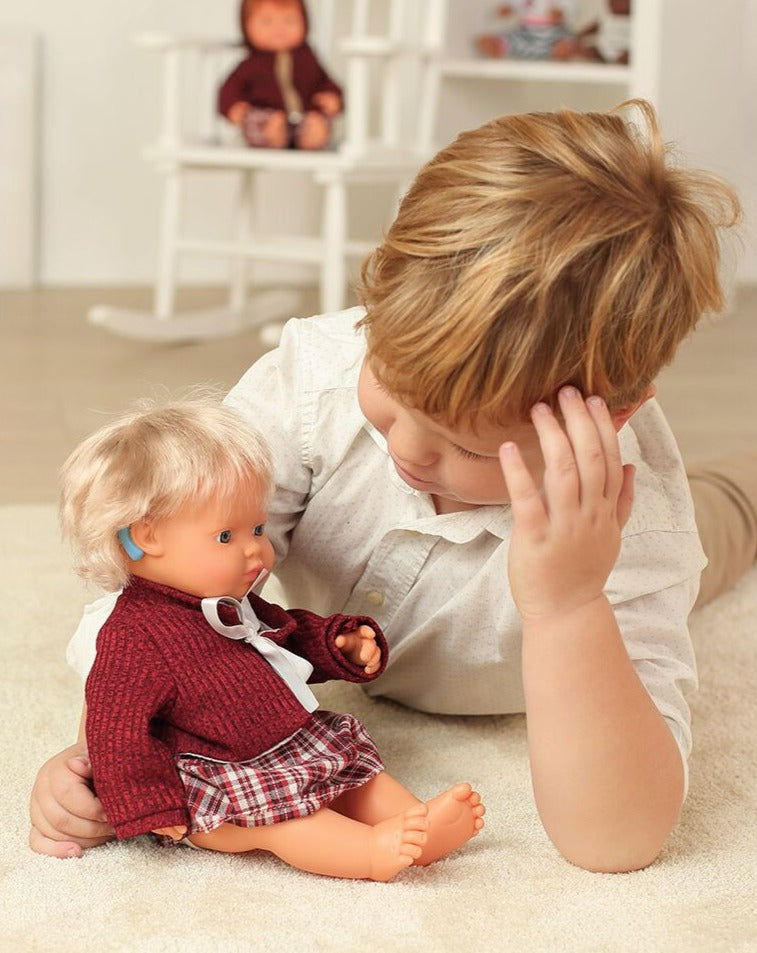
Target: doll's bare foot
{"type": "Point", "coordinates": [276, 131]}
{"type": "Point", "coordinates": [453, 818]}
{"type": "Point", "coordinates": [397, 842]}
{"type": "Point", "coordinates": [313, 132]}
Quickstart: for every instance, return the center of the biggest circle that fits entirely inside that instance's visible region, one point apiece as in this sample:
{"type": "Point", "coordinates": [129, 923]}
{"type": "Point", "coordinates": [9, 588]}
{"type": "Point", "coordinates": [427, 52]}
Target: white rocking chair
{"type": "Point", "coordinates": [389, 78]}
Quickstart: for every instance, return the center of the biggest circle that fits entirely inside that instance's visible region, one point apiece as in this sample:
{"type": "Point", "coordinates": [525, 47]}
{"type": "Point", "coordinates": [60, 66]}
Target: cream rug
{"type": "Point", "coordinates": [507, 890]}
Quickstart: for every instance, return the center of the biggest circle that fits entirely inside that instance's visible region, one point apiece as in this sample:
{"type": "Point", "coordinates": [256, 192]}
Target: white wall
{"type": "Point", "coordinates": [99, 199]}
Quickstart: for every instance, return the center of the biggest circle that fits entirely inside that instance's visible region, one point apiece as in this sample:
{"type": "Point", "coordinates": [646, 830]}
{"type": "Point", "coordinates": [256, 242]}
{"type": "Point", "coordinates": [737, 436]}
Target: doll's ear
{"type": "Point", "coordinates": [145, 536]}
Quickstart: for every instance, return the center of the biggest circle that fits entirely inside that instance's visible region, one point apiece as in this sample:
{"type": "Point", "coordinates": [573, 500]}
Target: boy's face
{"type": "Point", "coordinates": [459, 468]}
{"type": "Point", "coordinates": [275, 26]}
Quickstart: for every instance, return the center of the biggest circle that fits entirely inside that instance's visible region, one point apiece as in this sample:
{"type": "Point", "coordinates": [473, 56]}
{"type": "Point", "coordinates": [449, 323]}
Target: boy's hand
{"type": "Point", "coordinates": [360, 648]}
{"type": "Point", "coordinates": [566, 539]}
{"type": "Point", "coordinates": [65, 814]}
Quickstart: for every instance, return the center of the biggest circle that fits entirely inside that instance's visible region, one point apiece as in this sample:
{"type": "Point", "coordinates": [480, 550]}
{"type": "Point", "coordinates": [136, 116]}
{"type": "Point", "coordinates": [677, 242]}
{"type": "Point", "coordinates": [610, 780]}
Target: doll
{"type": "Point", "coordinates": [606, 40]}
{"type": "Point", "coordinates": [526, 29]}
{"type": "Point", "coordinates": [280, 96]}
{"type": "Point", "coordinates": [200, 724]}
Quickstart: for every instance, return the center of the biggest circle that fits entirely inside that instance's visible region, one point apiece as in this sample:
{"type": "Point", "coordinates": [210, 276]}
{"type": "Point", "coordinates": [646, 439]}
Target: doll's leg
{"type": "Point", "coordinates": [454, 816]}
{"type": "Point", "coordinates": [313, 131]}
{"type": "Point", "coordinates": [331, 844]}
{"type": "Point", "coordinates": [376, 800]}
{"type": "Point", "coordinates": [265, 128]}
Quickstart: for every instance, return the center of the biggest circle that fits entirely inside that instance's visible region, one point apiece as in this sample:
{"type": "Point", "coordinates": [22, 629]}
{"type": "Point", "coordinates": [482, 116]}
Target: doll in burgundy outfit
{"type": "Point", "coordinates": [199, 721]}
{"type": "Point", "coordinates": [279, 95]}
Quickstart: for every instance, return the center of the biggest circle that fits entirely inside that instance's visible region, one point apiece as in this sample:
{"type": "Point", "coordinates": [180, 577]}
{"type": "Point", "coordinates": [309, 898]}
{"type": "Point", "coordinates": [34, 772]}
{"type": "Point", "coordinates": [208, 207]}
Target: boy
{"type": "Point", "coordinates": [537, 259]}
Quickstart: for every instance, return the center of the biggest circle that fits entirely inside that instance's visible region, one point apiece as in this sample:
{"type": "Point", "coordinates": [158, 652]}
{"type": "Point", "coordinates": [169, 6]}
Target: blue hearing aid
{"type": "Point", "coordinates": [130, 547]}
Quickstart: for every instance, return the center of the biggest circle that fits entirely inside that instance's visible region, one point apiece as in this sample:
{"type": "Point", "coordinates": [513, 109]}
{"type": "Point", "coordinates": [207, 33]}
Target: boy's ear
{"type": "Point", "coordinates": [146, 535]}
{"type": "Point", "coordinates": [622, 416]}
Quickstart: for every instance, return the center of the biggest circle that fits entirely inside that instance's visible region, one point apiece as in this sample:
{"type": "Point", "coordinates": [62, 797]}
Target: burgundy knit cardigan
{"type": "Point", "coordinates": [164, 682]}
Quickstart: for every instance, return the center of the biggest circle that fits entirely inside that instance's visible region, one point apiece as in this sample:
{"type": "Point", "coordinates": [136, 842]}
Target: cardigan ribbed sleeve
{"type": "Point", "coordinates": [134, 772]}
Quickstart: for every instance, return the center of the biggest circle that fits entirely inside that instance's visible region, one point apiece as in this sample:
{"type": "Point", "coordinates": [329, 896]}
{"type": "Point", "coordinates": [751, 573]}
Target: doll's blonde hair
{"type": "Point", "coordinates": [148, 464]}
{"type": "Point", "coordinates": [538, 250]}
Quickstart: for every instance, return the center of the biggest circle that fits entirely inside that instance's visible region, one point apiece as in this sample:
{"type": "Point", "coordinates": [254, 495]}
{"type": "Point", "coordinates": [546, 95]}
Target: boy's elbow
{"type": "Point", "coordinates": [618, 849]}
{"type": "Point", "coordinates": [613, 859]}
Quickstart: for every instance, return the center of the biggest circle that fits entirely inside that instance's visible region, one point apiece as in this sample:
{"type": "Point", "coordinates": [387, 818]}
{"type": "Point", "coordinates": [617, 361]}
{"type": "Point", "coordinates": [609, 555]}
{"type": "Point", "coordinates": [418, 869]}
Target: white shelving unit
{"type": "Point", "coordinates": [686, 58]}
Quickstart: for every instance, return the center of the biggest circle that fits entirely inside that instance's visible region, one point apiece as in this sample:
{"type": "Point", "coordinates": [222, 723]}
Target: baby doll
{"type": "Point", "coordinates": [199, 722]}
{"type": "Point", "coordinates": [526, 29]}
{"type": "Point", "coordinates": [605, 40]}
{"type": "Point", "coordinates": [280, 95]}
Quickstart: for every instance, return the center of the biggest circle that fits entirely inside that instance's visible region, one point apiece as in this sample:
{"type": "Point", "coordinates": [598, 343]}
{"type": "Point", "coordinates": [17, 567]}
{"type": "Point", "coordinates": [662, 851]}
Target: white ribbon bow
{"type": "Point", "coordinates": [294, 669]}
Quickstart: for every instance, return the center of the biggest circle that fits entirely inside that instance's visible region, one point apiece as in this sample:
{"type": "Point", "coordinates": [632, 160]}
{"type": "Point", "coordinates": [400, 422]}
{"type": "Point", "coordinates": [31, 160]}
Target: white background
{"type": "Point", "coordinates": [98, 105]}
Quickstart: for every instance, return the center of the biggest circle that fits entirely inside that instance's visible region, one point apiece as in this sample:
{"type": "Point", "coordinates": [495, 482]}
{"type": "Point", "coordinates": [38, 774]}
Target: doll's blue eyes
{"type": "Point", "coordinates": [225, 535]}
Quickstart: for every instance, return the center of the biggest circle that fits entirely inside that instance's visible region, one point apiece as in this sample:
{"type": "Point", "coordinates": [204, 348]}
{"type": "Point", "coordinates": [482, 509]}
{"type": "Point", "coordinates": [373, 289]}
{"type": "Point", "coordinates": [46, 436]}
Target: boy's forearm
{"type": "Point", "coordinates": [607, 772]}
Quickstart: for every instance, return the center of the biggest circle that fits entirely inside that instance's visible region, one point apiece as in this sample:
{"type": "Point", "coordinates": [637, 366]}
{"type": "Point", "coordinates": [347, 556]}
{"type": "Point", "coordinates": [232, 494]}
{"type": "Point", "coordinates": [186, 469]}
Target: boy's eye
{"type": "Point", "coordinates": [224, 536]}
{"type": "Point", "coordinates": [258, 530]}
{"type": "Point", "coordinates": [468, 454]}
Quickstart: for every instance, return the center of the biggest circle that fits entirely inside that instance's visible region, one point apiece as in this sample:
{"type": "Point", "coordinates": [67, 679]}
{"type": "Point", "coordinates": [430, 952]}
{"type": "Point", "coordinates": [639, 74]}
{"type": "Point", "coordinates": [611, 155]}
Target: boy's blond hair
{"type": "Point", "coordinates": [539, 250]}
{"type": "Point", "coordinates": [149, 464]}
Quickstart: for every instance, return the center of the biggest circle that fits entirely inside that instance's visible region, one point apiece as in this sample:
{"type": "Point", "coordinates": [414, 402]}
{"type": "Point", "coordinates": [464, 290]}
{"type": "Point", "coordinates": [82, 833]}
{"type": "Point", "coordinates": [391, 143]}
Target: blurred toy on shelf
{"type": "Point", "coordinates": [605, 40]}
{"type": "Point", "coordinates": [280, 96]}
{"type": "Point", "coordinates": [527, 29]}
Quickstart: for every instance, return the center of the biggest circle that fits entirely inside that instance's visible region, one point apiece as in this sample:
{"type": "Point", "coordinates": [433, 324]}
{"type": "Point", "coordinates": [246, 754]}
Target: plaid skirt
{"type": "Point", "coordinates": [332, 753]}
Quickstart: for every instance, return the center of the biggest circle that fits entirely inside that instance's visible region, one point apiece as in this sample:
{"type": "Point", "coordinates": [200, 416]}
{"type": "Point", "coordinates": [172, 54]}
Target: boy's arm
{"type": "Point", "coordinates": [607, 772]}
{"type": "Point", "coordinates": [65, 814]}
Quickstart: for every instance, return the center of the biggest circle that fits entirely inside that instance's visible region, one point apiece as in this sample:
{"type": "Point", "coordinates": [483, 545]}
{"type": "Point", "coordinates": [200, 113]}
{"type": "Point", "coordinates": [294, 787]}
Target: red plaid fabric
{"type": "Point", "coordinates": [331, 754]}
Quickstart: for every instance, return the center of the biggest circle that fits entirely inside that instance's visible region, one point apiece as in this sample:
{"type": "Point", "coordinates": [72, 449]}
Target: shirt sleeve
{"type": "Point", "coordinates": [80, 651]}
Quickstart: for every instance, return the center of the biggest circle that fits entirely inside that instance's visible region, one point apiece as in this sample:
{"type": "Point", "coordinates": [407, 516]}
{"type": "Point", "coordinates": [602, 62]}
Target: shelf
{"type": "Point", "coordinates": [539, 70]}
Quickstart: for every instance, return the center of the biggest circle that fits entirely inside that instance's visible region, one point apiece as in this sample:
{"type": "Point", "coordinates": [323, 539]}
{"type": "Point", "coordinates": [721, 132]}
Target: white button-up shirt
{"type": "Point", "coordinates": [350, 536]}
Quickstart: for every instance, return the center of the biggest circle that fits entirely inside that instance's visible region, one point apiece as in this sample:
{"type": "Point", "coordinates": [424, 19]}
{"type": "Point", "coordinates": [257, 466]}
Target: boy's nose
{"type": "Point", "coordinates": [408, 443]}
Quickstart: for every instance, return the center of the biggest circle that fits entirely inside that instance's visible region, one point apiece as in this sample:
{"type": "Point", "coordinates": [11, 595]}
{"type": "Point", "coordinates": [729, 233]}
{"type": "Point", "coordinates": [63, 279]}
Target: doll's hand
{"type": "Point", "coordinates": [360, 648]}
{"type": "Point", "coordinates": [329, 102]}
{"type": "Point", "coordinates": [237, 112]}
{"type": "Point", "coordinates": [175, 832]}
{"type": "Point", "coordinates": [566, 539]}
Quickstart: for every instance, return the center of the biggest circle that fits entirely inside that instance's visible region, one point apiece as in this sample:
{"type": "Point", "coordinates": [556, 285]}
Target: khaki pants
{"type": "Point", "coordinates": [725, 503]}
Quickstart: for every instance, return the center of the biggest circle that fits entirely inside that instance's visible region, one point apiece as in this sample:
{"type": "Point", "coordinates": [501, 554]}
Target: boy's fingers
{"type": "Point", "coordinates": [53, 848]}
{"type": "Point", "coordinates": [561, 477]}
{"type": "Point", "coordinates": [584, 428]}
{"type": "Point", "coordinates": [525, 499]}
{"type": "Point", "coordinates": [608, 436]}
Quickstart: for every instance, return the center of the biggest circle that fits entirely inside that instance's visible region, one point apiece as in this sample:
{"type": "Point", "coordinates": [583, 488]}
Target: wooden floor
{"type": "Point", "coordinates": [59, 377]}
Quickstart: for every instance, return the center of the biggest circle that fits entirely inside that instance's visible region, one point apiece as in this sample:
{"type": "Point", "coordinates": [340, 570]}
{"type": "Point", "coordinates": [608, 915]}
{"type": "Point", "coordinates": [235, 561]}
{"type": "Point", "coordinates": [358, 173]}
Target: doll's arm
{"type": "Point", "coordinates": [340, 646]}
{"type": "Point", "coordinates": [134, 772]}
{"type": "Point", "coordinates": [329, 102]}
{"type": "Point", "coordinates": [237, 112]}
{"type": "Point", "coordinates": [359, 646]}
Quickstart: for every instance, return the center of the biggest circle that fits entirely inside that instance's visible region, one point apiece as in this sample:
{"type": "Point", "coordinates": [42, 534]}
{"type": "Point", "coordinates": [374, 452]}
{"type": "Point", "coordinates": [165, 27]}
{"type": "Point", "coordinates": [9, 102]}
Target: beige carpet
{"type": "Point", "coordinates": [508, 890]}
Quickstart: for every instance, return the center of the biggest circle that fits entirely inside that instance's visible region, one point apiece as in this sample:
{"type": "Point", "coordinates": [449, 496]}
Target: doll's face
{"type": "Point", "coordinates": [275, 26]}
{"type": "Point", "coordinates": [212, 549]}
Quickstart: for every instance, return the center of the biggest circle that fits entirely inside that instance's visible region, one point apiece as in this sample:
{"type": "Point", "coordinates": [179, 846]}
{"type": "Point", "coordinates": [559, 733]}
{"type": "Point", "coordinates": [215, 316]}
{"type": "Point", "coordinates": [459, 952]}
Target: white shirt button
{"type": "Point", "coordinates": [374, 597]}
